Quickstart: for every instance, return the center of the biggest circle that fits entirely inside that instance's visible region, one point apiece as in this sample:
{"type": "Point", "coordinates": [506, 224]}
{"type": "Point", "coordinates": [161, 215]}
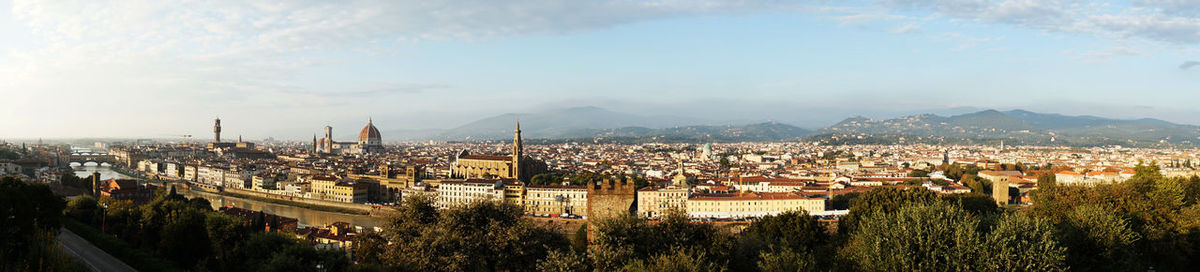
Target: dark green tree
{"type": "Point", "coordinates": [918, 237]}
{"type": "Point", "coordinates": [676, 260]}
{"type": "Point", "coordinates": [184, 237]}
{"type": "Point", "coordinates": [369, 248]}
{"type": "Point", "coordinates": [1099, 240]}
{"type": "Point", "coordinates": [1021, 243]}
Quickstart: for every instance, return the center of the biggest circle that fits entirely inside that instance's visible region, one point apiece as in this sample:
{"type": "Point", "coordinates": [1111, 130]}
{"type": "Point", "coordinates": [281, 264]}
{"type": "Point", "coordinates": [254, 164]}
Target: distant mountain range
{"type": "Point", "coordinates": [982, 127]}
{"type": "Point", "coordinates": [1013, 127]}
{"type": "Point", "coordinates": [570, 122]}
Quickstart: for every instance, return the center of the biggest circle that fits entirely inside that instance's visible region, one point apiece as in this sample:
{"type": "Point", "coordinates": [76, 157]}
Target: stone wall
{"type": "Point", "coordinates": [609, 198]}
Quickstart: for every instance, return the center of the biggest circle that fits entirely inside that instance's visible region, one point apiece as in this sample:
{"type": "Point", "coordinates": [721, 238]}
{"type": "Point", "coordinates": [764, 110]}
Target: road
{"type": "Point", "coordinates": [89, 254]}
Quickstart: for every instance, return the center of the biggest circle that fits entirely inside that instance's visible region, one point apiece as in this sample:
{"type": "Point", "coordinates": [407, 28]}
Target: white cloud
{"type": "Point", "coordinates": [1103, 55]}
{"type": "Point", "coordinates": [1170, 21]}
{"type": "Point", "coordinates": [179, 58]}
{"type": "Point", "coordinates": [905, 29]}
{"type": "Point", "coordinates": [198, 57]}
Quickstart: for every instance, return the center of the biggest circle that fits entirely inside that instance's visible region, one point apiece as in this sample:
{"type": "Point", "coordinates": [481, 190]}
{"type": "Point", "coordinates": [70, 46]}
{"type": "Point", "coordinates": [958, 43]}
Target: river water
{"type": "Point", "coordinates": [305, 216]}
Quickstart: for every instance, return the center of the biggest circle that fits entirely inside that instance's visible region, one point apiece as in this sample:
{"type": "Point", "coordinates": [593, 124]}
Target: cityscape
{"type": "Point", "coordinates": [600, 136]}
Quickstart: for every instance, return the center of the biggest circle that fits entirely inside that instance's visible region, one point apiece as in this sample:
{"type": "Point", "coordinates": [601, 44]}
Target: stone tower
{"type": "Point", "coordinates": [516, 152]}
{"type": "Point", "coordinates": [328, 139]}
{"type": "Point", "coordinates": [96, 184]}
{"type": "Point", "coordinates": [217, 131]}
{"type": "Point", "coordinates": [385, 170]}
{"type": "Point", "coordinates": [609, 198]}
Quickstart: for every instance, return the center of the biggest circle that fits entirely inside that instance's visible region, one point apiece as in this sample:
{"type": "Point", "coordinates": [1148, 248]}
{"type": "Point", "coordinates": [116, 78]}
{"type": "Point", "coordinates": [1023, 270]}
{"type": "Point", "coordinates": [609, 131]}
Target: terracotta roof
{"type": "Point", "coordinates": [748, 196]}
{"type": "Point", "coordinates": [369, 132]}
{"type": "Point", "coordinates": [486, 157]}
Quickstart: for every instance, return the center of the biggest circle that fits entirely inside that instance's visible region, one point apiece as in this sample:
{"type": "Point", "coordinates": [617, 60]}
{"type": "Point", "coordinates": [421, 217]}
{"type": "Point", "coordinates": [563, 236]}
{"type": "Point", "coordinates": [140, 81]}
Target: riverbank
{"type": "Point", "coordinates": [324, 208]}
{"type": "Point", "coordinates": [297, 204]}
{"type": "Point", "coordinates": [307, 216]}
{"type": "Point", "coordinates": [123, 171]}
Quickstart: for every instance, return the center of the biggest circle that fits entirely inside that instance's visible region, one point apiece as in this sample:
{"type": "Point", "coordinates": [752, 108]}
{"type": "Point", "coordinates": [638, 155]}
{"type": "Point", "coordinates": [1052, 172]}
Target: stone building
{"type": "Point", "coordinates": [331, 188]}
{"type": "Point", "coordinates": [369, 141]}
{"type": "Point", "coordinates": [753, 204]}
{"type": "Point", "coordinates": [556, 200]}
{"type": "Point", "coordinates": [453, 193]}
{"type": "Point", "coordinates": [484, 166]}
{"type": "Point", "coordinates": [656, 202]}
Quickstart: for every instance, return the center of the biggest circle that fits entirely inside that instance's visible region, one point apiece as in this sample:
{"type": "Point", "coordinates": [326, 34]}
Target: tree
{"type": "Point", "coordinates": [227, 235]}
{"type": "Point", "coordinates": [29, 218]}
{"type": "Point", "coordinates": [791, 230]}
{"type": "Point", "coordinates": [920, 237]}
{"type": "Point", "coordinates": [842, 201]}
{"type": "Point", "coordinates": [482, 235]}
{"type": "Point", "coordinates": [1046, 182]}
{"type": "Point", "coordinates": [260, 246]}
{"type": "Point", "coordinates": [184, 237]}
{"type": "Point", "coordinates": [368, 248]}
{"type": "Point", "coordinates": [85, 208]}
{"type": "Point", "coordinates": [973, 182]}
{"type": "Point", "coordinates": [546, 179]}
{"type": "Point", "coordinates": [200, 203]}
{"type": "Point", "coordinates": [974, 203]}
{"type": "Point", "coordinates": [564, 261]}
{"type": "Point", "coordinates": [1099, 240]}
{"type": "Point", "coordinates": [886, 199]}
{"type": "Point", "coordinates": [677, 260]}
{"type": "Point", "coordinates": [786, 260]}
{"type": "Point", "coordinates": [1021, 243]}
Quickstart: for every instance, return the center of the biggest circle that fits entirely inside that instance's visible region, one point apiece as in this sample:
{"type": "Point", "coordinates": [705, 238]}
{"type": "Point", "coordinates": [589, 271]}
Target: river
{"type": "Point", "coordinates": [305, 216]}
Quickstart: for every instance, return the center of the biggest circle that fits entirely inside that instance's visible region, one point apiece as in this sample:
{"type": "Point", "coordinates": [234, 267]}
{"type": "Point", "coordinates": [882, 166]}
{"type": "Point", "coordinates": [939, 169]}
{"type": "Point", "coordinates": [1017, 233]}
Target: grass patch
{"type": "Point", "coordinates": [138, 258]}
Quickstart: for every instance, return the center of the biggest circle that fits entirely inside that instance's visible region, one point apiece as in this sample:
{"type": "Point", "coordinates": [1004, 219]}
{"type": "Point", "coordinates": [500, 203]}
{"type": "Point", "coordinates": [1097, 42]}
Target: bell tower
{"type": "Point", "coordinates": [516, 152]}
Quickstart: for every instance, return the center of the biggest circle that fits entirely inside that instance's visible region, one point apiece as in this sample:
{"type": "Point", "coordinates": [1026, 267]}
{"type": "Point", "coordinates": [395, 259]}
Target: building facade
{"type": "Point", "coordinates": [466, 165]}
{"type": "Point", "coordinates": [453, 193]}
{"type": "Point", "coordinates": [556, 200]}
{"type": "Point", "coordinates": [748, 205]}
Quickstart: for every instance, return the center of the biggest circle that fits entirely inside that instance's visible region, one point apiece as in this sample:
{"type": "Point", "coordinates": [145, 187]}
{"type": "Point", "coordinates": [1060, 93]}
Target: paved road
{"type": "Point", "coordinates": [89, 254]}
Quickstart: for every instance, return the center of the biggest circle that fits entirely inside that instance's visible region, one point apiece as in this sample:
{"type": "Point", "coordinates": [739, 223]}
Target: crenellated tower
{"type": "Point", "coordinates": [217, 131]}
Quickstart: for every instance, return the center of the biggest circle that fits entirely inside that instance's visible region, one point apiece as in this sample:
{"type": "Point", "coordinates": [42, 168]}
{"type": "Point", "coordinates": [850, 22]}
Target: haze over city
{"type": "Point", "coordinates": [285, 69]}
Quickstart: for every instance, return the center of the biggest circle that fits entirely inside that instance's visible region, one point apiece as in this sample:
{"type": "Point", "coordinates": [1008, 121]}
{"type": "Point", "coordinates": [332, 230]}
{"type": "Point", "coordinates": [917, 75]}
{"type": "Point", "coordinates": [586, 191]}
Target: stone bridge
{"type": "Point", "coordinates": [86, 157]}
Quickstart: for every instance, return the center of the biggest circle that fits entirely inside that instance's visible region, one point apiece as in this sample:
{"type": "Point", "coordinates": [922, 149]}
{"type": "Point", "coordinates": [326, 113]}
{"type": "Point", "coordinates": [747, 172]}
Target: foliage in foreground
{"type": "Point", "coordinates": [175, 233]}
{"type": "Point", "coordinates": [29, 222]}
{"type": "Point", "coordinates": [481, 236]}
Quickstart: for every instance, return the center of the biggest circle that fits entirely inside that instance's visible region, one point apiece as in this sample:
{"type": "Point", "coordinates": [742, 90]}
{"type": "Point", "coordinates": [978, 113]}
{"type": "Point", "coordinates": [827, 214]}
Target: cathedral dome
{"type": "Point", "coordinates": [369, 134]}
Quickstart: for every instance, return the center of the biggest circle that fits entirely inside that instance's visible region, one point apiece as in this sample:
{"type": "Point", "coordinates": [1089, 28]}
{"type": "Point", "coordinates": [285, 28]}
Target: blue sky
{"type": "Point", "coordinates": [287, 68]}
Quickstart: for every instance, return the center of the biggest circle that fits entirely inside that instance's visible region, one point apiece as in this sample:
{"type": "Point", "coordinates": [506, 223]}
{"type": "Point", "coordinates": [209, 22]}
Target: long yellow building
{"type": "Point", "coordinates": [549, 199]}
{"type": "Point", "coordinates": [751, 205]}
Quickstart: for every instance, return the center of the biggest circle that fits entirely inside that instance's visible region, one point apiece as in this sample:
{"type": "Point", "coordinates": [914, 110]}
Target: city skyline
{"type": "Point", "coordinates": [285, 70]}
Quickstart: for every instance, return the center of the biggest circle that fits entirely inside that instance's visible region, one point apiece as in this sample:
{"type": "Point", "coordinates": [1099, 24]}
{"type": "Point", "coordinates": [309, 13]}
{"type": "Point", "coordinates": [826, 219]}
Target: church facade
{"type": "Point", "coordinates": [369, 141]}
{"type": "Point", "coordinates": [484, 166]}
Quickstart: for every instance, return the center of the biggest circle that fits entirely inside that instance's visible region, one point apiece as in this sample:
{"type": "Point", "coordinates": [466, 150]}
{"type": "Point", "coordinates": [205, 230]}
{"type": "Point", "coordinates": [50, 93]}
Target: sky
{"type": "Point", "coordinates": [164, 68]}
